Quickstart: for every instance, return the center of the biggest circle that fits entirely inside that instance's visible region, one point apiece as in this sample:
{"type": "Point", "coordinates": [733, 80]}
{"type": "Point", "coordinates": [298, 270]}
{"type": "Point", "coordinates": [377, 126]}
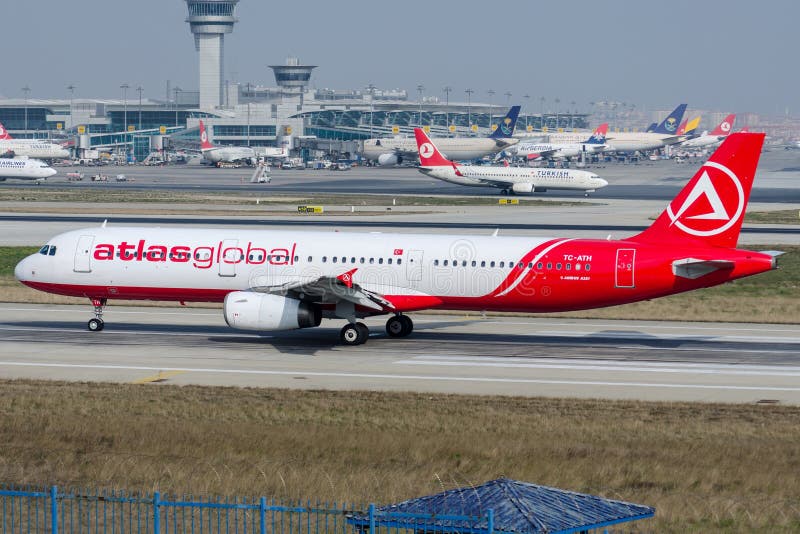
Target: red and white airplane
{"type": "Point", "coordinates": [282, 280]}
{"type": "Point", "coordinates": [714, 138]}
{"type": "Point", "coordinates": [227, 154]}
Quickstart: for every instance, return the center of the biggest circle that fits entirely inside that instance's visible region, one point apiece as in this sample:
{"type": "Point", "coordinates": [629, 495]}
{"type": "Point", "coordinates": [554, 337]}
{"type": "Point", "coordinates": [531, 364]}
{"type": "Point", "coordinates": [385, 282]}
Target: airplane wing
{"type": "Point", "coordinates": [693, 268]}
{"type": "Point", "coordinates": [329, 290]}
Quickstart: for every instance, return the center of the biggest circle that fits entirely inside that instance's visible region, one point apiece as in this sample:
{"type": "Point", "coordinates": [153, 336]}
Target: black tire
{"type": "Point", "coordinates": [363, 332]}
{"type": "Point", "coordinates": [350, 335]}
{"type": "Point", "coordinates": [95, 325]}
{"type": "Point", "coordinates": [408, 325]}
{"type": "Point", "coordinates": [395, 326]}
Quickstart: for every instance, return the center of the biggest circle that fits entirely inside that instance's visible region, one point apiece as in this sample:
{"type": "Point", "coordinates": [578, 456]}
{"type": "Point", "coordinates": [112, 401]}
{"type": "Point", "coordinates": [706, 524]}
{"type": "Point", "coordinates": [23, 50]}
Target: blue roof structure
{"type": "Point", "coordinates": [506, 506]}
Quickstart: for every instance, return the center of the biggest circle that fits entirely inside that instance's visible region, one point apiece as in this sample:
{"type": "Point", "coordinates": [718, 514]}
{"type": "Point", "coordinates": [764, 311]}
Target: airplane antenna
{"type": "Point", "coordinates": [104, 223]}
{"type": "Point", "coordinates": [608, 238]}
{"type": "Point", "coordinates": [496, 231]}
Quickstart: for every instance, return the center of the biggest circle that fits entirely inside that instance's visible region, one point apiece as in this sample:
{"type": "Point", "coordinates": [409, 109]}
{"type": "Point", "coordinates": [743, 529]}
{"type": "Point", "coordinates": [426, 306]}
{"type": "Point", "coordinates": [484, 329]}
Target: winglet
{"type": "Point", "coordinates": [347, 278]}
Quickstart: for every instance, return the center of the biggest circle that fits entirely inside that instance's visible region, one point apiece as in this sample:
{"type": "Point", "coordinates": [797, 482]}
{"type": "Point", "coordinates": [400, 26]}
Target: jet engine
{"type": "Point", "coordinates": [522, 188]}
{"type": "Point", "coordinates": [387, 160]}
{"type": "Point", "coordinates": [246, 310]}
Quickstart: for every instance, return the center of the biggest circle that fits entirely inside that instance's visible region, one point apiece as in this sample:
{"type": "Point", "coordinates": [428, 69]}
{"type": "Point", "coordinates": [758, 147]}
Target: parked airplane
{"type": "Point", "coordinates": [33, 148]}
{"type": "Point", "coordinates": [24, 168]}
{"type": "Point", "coordinates": [286, 279]}
{"type": "Point", "coordinates": [716, 136]}
{"type": "Point", "coordinates": [508, 179]}
{"type": "Point", "coordinates": [224, 154]}
{"type": "Point", "coordinates": [594, 144]}
{"type": "Point", "coordinates": [664, 134]}
{"type": "Point", "coordinates": [395, 150]}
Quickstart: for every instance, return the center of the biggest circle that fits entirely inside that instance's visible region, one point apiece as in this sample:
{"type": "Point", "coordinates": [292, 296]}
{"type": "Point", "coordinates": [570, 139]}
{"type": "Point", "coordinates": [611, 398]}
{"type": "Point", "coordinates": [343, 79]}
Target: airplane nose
{"type": "Point", "coordinates": [51, 172]}
{"type": "Point", "coordinates": [22, 270]}
{"type": "Point", "coordinates": [601, 182]}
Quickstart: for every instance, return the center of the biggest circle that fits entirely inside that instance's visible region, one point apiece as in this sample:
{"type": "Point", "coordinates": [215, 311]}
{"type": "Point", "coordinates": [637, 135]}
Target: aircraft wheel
{"type": "Point", "coordinates": [504, 191]}
{"type": "Point", "coordinates": [363, 332]}
{"type": "Point", "coordinates": [95, 325]}
{"type": "Point", "coordinates": [408, 325]}
{"type": "Point", "coordinates": [395, 326]}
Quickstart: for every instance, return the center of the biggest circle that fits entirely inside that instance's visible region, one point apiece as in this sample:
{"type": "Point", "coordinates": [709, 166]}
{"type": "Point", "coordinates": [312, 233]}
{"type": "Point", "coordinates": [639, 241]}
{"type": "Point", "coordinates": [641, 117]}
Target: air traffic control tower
{"type": "Point", "coordinates": [209, 21]}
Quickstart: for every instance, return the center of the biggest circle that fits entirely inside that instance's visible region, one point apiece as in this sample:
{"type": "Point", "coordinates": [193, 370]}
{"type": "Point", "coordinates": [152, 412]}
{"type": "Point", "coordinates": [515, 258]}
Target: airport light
{"type": "Point", "coordinates": [491, 94]}
{"type": "Point", "coordinates": [557, 101]}
{"type": "Point", "coordinates": [541, 101]}
{"type": "Point", "coordinates": [177, 90]}
{"type": "Point", "coordinates": [447, 90]}
{"type": "Point", "coordinates": [371, 90]}
{"type": "Point", "coordinates": [139, 90]}
{"type": "Point", "coordinates": [71, 88]}
{"type": "Point", "coordinates": [527, 98]}
{"type": "Point", "coordinates": [469, 108]}
{"type": "Point", "coordinates": [572, 117]}
{"type": "Point", "coordinates": [26, 90]}
{"type": "Point", "coordinates": [420, 89]}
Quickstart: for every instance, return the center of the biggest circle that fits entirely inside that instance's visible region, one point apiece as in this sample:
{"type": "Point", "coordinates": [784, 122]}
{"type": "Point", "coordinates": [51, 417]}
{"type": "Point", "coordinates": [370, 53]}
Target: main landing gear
{"type": "Point", "coordinates": [357, 333]}
{"type": "Point", "coordinates": [97, 324]}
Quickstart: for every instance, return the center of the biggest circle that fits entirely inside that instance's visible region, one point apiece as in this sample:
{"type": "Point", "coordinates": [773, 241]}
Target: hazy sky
{"type": "Point", "coordinates": [733, 55]}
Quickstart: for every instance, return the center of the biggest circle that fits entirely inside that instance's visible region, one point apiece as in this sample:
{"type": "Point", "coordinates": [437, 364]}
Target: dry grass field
{"type": "Point", "coordinates": [706, 468]}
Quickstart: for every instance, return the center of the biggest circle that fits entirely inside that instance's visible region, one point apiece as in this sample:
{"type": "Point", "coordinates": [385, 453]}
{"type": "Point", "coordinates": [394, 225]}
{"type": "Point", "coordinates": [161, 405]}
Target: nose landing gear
{"type": "Point", "coordinates": [97, 324]}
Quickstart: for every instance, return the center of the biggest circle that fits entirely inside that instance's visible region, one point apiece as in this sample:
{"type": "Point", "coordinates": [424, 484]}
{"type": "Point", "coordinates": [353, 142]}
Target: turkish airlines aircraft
{"type": "Point", "coordinates": [715, 137]}
{"type": "Point", "coordinates": [508, 179]}
{"type": "Point", "coordinates": [394, 150]}
{"type": "Point", "coordinates": [32, 148]}
{"type": "Point", "coordinates": [24, 169]}
{"type": "Point", "coordinates": [283, 280]}
{"type": "Point", "coordinates": [594, 144]}
{"type": "Point", "coordinates": [228, 154]}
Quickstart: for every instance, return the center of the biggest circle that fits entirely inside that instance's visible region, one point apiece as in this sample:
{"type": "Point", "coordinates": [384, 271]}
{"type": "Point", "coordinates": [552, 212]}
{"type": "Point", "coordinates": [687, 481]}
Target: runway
{"type": "Point", "coordinates": [445, 354]}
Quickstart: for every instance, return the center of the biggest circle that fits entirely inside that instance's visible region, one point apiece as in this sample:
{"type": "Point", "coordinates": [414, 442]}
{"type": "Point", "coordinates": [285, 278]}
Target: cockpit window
{"type": "Point", "coordinates": [44, 250]}
{"type": "Point", "coordinates": [52, 250]}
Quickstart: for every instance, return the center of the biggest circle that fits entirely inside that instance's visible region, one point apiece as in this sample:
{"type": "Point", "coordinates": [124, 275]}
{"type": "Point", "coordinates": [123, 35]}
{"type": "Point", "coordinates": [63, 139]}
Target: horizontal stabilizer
{"type": "Point", "coordinates": [693, 268]}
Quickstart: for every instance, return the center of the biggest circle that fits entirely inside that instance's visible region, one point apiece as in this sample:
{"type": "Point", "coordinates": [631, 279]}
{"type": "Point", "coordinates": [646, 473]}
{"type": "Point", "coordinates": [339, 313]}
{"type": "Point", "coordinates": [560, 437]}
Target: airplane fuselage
{"type": "Point", "coordinates": [33, 149]}
{"type": "Point", "coordinates": [410, 271]}
{"type": "Point", "coordinates": [514, 177]}
{"type": "Point", "coordinates": [455, 148]}
{"type": "Point", "coordinates": [24, 169]}
{"type": "Point", "coordinates": [229, 154]}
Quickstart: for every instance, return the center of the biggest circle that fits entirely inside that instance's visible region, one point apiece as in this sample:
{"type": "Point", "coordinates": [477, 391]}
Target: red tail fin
{"type": "Point", "coordinates": [4, 135]}
{"type": "Point", "coordinates": [204, 144]}
{"type": "Point", "coordinates": [710, 209]}
{"type": "Point", "coordinates": [429, 155]}
{"type": "Point", "coordinates": [725, 127]}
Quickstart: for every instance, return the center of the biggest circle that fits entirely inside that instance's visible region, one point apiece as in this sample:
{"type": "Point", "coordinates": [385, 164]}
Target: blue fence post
{"type": "Point", "coordinates": [156, 513]}
{"type": "Point", "coordinates": [371, 519]}
{"type": "Point", "coordinates": [490, 521]}
{"type": "Point", "coordinates": [53, 510]}
{"type": "Point", "coordinates": [262, 508]}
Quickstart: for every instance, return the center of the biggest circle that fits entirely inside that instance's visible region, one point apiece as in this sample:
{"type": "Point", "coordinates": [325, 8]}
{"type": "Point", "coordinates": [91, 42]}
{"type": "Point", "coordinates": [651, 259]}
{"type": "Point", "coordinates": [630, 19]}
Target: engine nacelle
{"type": "Point", "coordinates": [246, 310]}
{"type": "Point", "coordinates": [522, 188]}
{"type": "Point", "coordinates": [387, 160]}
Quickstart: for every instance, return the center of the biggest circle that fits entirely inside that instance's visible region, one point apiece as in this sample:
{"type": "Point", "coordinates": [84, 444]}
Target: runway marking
{"type": "Point", "coordinates": [232, 333]}
{"type": "Point", "coordinates": [160, 377]}
{"type": "Point", "coordinates": [591, 365]}
{"type": "Point", "coordinates": [409, 377]}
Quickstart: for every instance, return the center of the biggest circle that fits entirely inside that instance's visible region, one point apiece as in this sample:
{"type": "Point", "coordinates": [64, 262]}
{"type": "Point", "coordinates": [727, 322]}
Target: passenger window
{"type": "Point", "coordinates": [399, 261]}
{"type": "Point", "coordinates": [588, 267]}
{"type": "Point", "coordinates": [371, 261]}
{"type": "Point", "coordinates": [502, 264]}
{"type": "Point", "coordinates": [324, 259]}
{"type": "Point", "coordinates": [389, 261]}
{"type": "Point", "coordinates": [491, 264]}
{"type": "Point", "coordinates": [435, 263]}
{"type": "Point", "coordinates": [569, 266]}
{"type": "Point", "coordinates": [344, 259]}
{"type": "Point", "coordinates": [558, 266]}
{"type": "Point", "coordinates": [530, 265]}
{"type": "Point", "coordinates": [474, 263]}
{"type": "Point", "coordinates": [335, 259]}
{"type": "Point", "coordinates": [464, 263]}
{"type": "Point", "coordinates": [520, 264]}
{"type": "Point", "coordinates": [577, 266]}
{"type": "Point", "coordinates": [352, 260]}
{"type": "Point", "coordinates": [362, 260]}
{"type": "Point", "coordinates": [445, 263]}
{"type": "Point", "coordinates": [297, 258]}
{"type": "Point", "coordinates": [549, 265]}
{"type": "Point", "coordinates": [539, 265]}
{"type": "Point", "coordinates": [309, 259]}
{"type": "Point", "coordinates": [380, 261]}
{"type": "Point", "coordinates": [483, 263]}
{"type": "Point", "coordinates": [52, 250]}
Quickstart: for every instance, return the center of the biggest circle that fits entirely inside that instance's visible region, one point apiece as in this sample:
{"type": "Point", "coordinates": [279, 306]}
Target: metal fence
{"type": "Point", "coordinates": [26, 510]}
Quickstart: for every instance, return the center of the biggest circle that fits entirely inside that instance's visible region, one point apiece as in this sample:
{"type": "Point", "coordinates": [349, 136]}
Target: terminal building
{"type": "Point", "coordinates": [289, 113]}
